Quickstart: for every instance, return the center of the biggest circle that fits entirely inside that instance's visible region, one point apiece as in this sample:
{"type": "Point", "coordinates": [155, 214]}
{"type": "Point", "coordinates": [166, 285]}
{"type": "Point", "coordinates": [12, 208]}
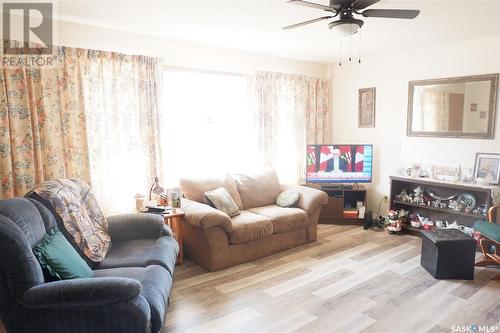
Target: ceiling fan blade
{"type": "Point", "coordinates": [391, 13]}
{"type": "Point", "coordinates": [340, 3]}
{"type": "Point", "coordinates": [310, 4]}
{"type": "Point", "coordinates": [307, 22]}
{"type": "Point", "coordinates": [362, 4]}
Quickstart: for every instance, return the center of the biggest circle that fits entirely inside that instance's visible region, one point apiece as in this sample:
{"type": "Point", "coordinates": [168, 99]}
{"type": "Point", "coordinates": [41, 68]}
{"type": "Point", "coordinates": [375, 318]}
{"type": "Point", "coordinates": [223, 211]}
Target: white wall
{"type": "Point", "coordinates": [180, 53]}
{"type": "Point", "coordinates": [390, 74]}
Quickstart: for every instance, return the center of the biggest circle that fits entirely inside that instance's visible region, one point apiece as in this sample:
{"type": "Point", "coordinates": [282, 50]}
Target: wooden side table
{"type": "Point", "coordinates": [174, 220]}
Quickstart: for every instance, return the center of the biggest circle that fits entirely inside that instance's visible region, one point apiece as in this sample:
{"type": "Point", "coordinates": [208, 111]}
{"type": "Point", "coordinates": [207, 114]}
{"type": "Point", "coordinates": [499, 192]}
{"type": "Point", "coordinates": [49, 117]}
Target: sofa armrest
{"type": "Point", "coordinates": [203, 216]}
{"type": "Point", "coordinates": [135, 226]}
{"type": "Point", "coordinates": [81, 292]}
{"type": "Point", "coordinates": [310, 198]}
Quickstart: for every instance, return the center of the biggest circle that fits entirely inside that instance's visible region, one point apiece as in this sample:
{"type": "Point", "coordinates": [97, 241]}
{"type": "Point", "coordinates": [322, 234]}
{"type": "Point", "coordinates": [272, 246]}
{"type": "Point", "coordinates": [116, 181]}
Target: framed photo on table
{"type": "Point", "coordinates": [445, 172]}
{"type": "Point", "coordinates": [366, 107]}
{"type": "Point", "coordinates": [487, 168]}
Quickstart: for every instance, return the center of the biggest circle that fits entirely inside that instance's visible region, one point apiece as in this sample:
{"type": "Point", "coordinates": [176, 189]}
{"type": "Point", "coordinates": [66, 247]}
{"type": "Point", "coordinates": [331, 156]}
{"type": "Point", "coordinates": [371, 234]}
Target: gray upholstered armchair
{"type": "Point", "coordinates": [128, 293]}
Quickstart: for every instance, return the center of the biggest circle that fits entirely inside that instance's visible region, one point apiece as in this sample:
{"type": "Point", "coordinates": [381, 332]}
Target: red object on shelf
{"type": "Point", "coordinates": [350, 213]}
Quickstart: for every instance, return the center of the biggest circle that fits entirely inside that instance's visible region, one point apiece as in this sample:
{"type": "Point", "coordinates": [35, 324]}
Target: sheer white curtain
{"type": "Point", "coordinates": [206, 125]}
{"type": "Point", "coordinates": [290, 111]}
{"type": "Point", "coordinates": [120, 94]}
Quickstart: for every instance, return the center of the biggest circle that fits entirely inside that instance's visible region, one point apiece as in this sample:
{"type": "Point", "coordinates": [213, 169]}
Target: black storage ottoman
{"type": "Point", "coordinates": [448, 254]}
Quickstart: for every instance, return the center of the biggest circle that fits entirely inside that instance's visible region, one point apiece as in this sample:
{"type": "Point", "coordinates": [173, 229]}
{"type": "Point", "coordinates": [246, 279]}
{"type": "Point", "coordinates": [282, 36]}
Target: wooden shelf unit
{"type": "Point", "coordinates": [443, 189]}
{"type": "Point", "coordinates": [338, 198]}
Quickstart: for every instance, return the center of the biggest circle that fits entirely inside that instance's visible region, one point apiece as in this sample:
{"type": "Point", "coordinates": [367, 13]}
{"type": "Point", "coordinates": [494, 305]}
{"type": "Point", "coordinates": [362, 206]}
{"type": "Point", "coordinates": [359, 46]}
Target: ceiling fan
{"type": "Point", "coordinates": [345, 9]}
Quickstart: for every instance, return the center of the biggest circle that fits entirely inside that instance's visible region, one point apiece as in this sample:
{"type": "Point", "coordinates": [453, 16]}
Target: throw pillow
{"type": "Point", "coordinates": [221, 200]}
{"type": "Point", "coordinates": [288, 198]}
{"type": "Point", "coordinates": [60, 259]}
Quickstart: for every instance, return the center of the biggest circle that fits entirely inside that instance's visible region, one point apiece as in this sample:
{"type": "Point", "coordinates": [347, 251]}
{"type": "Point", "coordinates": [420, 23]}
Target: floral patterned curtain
{"type": "Point", "coordinates": [42, 125]}
{"type": "Point", "coordinates": [290, 111]}
{"type": "Point", "coordinates": [92, 116]}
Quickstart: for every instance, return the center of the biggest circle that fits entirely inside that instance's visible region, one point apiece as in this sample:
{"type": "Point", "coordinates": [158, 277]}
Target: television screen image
{"type": "Point", "coordinates": [339, 163]}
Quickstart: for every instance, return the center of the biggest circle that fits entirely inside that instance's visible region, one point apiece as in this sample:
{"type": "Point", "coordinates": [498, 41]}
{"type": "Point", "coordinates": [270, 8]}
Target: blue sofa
{"type": "Point", "coordinates": [128, 292]}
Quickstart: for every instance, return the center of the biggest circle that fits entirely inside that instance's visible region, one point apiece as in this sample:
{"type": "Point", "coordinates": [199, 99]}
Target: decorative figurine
{"type": "Point", "coordinates": [395, 225]}
{"type": "Point", "coordinates": [424, 173]}
{"type": "Point", "coordinates": [437, 203]}
{"type": "Point", "coordinates": [425, 222]}
{"type": "Point", "coordinates": [418, 197]}
{"type": "Point", "coordinates": [441, 224]}
{"type": "Point", "coordinates": [453, 204]}
{"type": "Point", "coordinates": [404, 216]}
{"type": "Point", "coordinates": [467, 175]}
{"type": "Point", "coordinates": [403, 196]}
{"type": "Point", "coordinates": [415, 224]}
{"type": "Point", "coordinates": [480, 210]}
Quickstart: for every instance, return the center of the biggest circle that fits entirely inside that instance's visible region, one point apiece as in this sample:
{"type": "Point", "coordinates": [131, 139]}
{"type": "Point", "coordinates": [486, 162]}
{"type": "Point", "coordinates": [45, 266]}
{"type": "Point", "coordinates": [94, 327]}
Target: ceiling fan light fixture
{"type": "Point", "coordinates": [346, 27]}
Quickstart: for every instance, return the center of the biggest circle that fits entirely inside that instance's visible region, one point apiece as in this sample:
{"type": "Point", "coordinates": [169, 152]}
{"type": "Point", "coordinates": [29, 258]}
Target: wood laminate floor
{"type": "Point", "coordinates": [350, 280]}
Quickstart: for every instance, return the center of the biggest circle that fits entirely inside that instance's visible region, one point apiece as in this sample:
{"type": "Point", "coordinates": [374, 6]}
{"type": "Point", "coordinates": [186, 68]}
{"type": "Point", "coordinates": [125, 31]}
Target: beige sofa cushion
{"type": "Point", "coordinates": [194, 189]}
{"type": "Point", "coordinates": [259, 189]}
{"type": "Point", "coordinates": [283, 219]}
{"type": "Point", "coordinates": [249, 226]}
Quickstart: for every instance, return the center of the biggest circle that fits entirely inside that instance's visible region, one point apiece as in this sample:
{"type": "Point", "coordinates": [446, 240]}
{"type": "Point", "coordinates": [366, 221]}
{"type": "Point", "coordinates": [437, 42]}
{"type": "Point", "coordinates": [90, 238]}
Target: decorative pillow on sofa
{"type": "Point", "coordinates": [60, 259]}
{"type": "Point", "coordinates": [221, 200]}
{"type": "Point", "coordinates": [76, 207]}
{"type": "Point", "coordinates": [288, 199]}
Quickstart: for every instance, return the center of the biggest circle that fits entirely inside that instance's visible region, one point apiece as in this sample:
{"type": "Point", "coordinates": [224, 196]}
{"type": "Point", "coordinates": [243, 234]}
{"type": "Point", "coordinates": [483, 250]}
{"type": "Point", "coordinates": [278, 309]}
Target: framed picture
{"type": "Point", "coordinates": [366, 107]}
{"type": "Point", "coordinates": [473, 107]}
{"type": "Point", "coordinates": [445, 172]}
{"type": "Point", "coordinates": [487, 168]}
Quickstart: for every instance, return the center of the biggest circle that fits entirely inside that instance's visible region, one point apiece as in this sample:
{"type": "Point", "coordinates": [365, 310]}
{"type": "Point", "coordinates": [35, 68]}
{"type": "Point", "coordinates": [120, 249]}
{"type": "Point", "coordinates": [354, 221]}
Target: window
{"type": "Point", "coordinates": [206, 125]}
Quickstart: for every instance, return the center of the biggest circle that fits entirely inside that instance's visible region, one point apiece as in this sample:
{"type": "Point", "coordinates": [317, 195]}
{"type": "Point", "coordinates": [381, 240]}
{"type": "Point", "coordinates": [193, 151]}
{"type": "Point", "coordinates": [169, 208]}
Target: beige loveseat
{"type": "Point", "coordinates": [215, 241]}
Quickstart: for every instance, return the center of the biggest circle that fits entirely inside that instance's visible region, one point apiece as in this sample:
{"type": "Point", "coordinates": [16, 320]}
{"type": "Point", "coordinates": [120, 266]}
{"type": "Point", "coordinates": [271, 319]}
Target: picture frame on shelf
{"type": "Point", "coordinates": [366, 107]}
{"type": "Point", "coordinates": [487, 168]}
{"type": "Point", "coordinates": [446, 173]}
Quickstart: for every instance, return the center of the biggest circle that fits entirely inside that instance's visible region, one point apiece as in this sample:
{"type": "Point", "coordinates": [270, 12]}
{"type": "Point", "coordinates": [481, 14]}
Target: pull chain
{"type": "Point", "coordinates": [350, 42]}
{"type": "Point", "coordinates": [359, 48]}
{"type": "Point", "coordinates": [340, 54]}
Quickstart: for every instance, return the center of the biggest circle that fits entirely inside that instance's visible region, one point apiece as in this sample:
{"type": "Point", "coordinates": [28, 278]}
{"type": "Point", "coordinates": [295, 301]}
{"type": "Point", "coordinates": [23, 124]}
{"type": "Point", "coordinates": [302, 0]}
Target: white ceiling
{"type": "Point", "coordinates": [255, 25]}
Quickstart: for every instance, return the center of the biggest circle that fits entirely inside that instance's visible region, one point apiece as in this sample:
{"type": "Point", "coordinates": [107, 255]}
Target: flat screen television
{"type": "Point", "coordinates": [335, 163]}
